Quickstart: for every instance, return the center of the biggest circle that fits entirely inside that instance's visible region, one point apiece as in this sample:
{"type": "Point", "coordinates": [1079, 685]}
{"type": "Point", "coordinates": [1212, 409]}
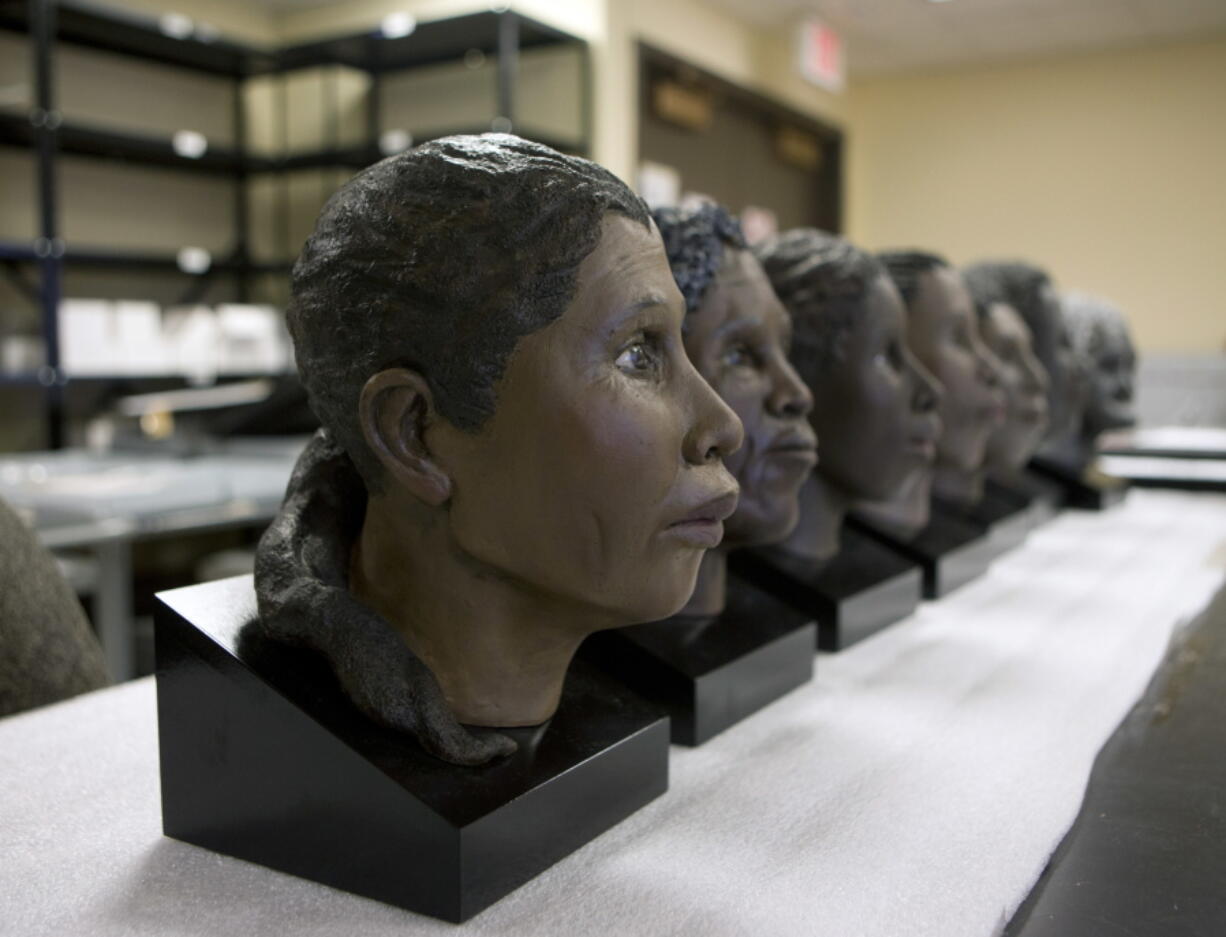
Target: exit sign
{"type": "Point", "coordinates": [821, 55]}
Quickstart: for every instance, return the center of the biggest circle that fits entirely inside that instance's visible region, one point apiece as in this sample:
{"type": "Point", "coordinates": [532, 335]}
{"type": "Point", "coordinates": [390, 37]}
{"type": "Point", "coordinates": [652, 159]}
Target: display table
{"type": "Point", "coordinates": [916, 787]}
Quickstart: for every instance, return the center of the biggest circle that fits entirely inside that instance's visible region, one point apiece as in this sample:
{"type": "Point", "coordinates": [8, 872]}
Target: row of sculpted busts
{"type": "Point", "coordinates": [539, 403]}
{"type": "Point", "coordinates": [738, 335]}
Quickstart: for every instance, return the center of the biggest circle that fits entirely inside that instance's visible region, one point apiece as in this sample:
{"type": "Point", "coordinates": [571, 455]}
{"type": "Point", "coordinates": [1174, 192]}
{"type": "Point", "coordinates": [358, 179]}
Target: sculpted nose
{"type": "Point", "coordinates": [926, 391]}
{"type": "Point", "coordinates": [715, 431]}
{"type": "Point", "coordinates": [790, 398]}
{"type": "Point", "coordinates": [989, 367]}
{"type": "Point", "coordinates": [1036, 376]}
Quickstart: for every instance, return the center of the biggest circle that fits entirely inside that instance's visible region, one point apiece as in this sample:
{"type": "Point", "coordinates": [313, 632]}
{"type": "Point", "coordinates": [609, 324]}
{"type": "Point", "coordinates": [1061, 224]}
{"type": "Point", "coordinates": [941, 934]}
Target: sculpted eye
{"type": "Point", "coordinates": [637, 358]}
{"type": "Point", "coordinates": [739, 356]}
{"type": "Point", "coordinates": [892, 356]}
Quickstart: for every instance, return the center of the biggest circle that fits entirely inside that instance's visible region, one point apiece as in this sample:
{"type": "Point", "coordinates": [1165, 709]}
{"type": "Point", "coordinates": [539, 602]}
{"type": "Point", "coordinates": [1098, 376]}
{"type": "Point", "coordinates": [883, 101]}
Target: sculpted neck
{"type": "Point", "coordinates": [958, 485]}
{"type": "Point", "coordinates": [905, 515]}
{"type": "Point", "coordinates": [822, 509]}
{"type": "Point", "coordinates": [1070, 450]}
{"type": "Point", "coordinates": [711, 587]}
{"type": "Point", "coordinates": [498, 651]}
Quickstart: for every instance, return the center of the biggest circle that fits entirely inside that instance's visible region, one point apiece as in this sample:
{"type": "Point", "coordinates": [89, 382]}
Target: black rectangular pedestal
{"type": "Point", "coordinates": [1087, 489]}
{"type": "Point", "coordinates": [950, 552]}
{"type": "Point", "coordinates": [1043, 498]}
{"type": "Point", "coordinates": [1184, 474]}
{"type": "Point", "coordinates": [709, 676]}
{"type": "Point", "coordinates": [1005, 517]}
{"type": "Point", "coordinates": [263, 758]}
{"type": "Point", "coordinates": [864, 588]}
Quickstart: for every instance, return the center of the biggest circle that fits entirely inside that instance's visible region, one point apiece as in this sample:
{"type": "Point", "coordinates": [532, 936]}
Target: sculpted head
{"type": "Point", "coordinates": [1030, 291]}
{"type": "Point", "coordinates": [943, 333]}
{"type": "Point", "coordinates": [1023, 379]}
{"type": "Point", "coordinates": [1102, 343]}
{"type": "Point", "coordinates": [492, 332]}
{"type": "Point", "coordinates": [738, 334]}
{"type": "Point", "coordinates": [875, 406]}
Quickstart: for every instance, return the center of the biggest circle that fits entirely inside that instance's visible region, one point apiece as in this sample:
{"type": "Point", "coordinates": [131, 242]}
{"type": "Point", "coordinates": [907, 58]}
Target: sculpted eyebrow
{"type": "Point", "coordinates": [635, 309]}
{"type": "Point", "coordinates": [742, 324]}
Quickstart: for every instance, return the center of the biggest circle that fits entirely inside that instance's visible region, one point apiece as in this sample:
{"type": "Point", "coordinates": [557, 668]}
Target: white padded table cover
{"type": "Point", "coordinates": [916, 787]}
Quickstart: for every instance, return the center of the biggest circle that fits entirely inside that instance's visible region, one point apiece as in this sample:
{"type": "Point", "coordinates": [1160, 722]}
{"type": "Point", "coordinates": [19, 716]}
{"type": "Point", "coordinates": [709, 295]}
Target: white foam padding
{"type": "Point", "coordinates": [916, 787]}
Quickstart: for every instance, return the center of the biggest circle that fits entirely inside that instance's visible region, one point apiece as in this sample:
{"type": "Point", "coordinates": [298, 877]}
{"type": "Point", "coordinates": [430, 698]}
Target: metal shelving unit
{"type": "Point", "coordinates": [45, 132]}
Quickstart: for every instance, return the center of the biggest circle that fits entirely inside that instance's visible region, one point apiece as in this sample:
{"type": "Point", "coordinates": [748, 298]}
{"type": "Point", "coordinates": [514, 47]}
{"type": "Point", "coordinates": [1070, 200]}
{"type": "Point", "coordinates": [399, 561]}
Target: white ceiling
{"type": "Point", "coordinates": [897, 35]}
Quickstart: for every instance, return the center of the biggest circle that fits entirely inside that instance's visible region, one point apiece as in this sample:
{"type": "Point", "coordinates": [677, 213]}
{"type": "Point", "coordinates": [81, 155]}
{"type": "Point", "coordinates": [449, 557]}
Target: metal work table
{"type": "Point", "coordinates": [103, 503]}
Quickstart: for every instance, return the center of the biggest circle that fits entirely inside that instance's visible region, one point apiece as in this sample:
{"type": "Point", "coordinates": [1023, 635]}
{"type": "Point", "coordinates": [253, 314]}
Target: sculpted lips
{"type": "Point", "coordinates": [994, 413]}
{"type": "Point", "coordinates": [703, 525]}
{"type": "Point", "coordinates": [795, 442]}
{"type": "Point", "coordinates": [923, 440]}
{"type": "Point", "coordinates": [795, 445]}
{"type": "Point", "coordinates": [1032, 414]}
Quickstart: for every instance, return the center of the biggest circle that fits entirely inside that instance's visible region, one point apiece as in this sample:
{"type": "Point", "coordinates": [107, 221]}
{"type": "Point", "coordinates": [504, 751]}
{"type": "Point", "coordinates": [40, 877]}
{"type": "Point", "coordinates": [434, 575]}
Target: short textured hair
{"type": "Point", "coordinates": [822, 280]}
{"type": "Point", "coordinates": [695, 237]}
{"type": "Point", "coordinates": [1013, 282]}
{"type": "Point", "coordinates": [906, 267]}
{"type": "Point", "coordinates": [1093, 323]}
{"type": "Point", "coordinates": [441, 259]}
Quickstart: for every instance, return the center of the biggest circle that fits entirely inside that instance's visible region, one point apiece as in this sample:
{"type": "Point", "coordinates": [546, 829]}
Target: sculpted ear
{"type": "Point", "coordinates": [395, 410]}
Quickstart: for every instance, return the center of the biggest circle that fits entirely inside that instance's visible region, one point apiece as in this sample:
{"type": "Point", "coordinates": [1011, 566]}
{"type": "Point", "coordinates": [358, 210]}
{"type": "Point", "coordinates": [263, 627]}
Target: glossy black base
{"type": "Point", "coordinates": [711, 675]}
{"type": "Point", "coordinates": [1043, 498]}
{"type": "Point", "coordinates": [864, 588]}
{"type": "Point", "coordinates": [1004, 516]}
{"type": "Point", "coordinates": [263, 758]}
{"type": "Point", "coordinates": [950, 552]}
{"type": "Point", "coordinates": [1084, 488]}
{"type": "Point", "coordinates": [1182, 474]}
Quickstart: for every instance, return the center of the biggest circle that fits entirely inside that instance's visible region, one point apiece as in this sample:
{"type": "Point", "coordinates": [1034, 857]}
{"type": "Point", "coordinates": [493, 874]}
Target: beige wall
{"type": "Point", "coordinates": [1109, 168]}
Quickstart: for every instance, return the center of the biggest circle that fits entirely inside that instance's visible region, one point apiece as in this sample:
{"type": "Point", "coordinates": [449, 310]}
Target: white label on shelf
{"type": "Point", "coordinates": [194, 260]}
{"type": "Point", "coordinates": [189, 144]}
{"type": "Point", "coordinates": [176, 25]}
{"type": "Point", "coordinates": [392, 142]}
{"type": "Point", "coordinates": [397, 25]}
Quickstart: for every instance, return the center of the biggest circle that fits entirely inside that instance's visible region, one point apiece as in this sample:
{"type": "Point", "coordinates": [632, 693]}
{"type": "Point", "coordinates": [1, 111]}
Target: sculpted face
{"type": "Point", "coordinates": [1053, 346]}
{"type": "Point", "coordinates": [1112, 363]}
{"type": "Point", "coordinates": [1025, 385]}
{"type": "Point", "coordinates": [738, 339]}
{"type": "Point", "coordinates": [943, 334]}
{"type": "Point", "coordinates": [875, 411]}
{"type": "Point", "coordinates": [599, 481]}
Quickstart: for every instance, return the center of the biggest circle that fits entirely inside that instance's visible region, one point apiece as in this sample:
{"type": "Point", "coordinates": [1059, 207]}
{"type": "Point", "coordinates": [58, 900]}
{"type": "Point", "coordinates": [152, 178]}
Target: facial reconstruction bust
{"type": "Point", "coordinates": [490, 332]}
{"type": "Point", "coordinates": [874, 404]}
{"type": "Point", "coordinates": [737, 334]}
{"type": "Point", "coordinates": [1030, 291]}
{"type": "Point", "coordinates": [943, 333]}
{"type": "Point", "coordinates": [1100, 338]}
{"type": "Point", "coordinates": [1024, 381]}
